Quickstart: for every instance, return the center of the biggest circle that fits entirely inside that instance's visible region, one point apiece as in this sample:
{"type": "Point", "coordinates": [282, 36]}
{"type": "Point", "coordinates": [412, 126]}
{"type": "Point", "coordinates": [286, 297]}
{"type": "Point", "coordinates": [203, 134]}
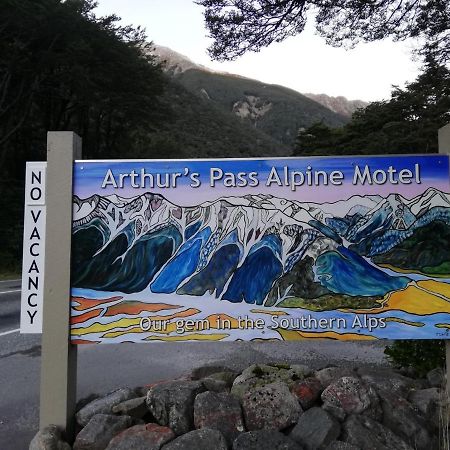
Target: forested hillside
{"type": "Point", "coordinates": [275, 110]}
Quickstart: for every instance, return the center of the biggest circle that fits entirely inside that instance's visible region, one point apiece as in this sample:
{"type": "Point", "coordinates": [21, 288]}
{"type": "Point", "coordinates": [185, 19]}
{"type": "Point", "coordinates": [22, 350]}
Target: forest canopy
{"type": "Point", "coordinates": [238, 26]}
{"type": "Point", "coordinates": [406, 123]}
{"type": "Point", "coordinates": [63, 68]}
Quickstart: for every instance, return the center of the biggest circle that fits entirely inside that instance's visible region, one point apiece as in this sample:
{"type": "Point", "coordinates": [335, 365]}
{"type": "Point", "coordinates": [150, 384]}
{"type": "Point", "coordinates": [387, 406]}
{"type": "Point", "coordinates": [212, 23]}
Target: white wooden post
{"type": "Point", "coordinates": [59, 357]}
{"type": "Point", "coordinates": [444, 147]}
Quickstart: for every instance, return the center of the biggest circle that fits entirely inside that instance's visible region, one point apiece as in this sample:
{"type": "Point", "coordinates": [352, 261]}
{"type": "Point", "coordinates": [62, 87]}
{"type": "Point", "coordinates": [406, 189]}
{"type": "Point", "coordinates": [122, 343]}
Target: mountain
{"type": "Point", "coordinates": [174, 62]}
{"type": "Point", "coordinates": [198, 128]}
{"type": "Point", "coordinates": [339, 105]}
{"type": "Point", "coordinates": [427, 249]}
{"type": "Point", "coordinates": [255, 248]}
{"type": "Point", "coordinates": [378, 230]}
{"type": "Point", "coordinates": [273, 110]}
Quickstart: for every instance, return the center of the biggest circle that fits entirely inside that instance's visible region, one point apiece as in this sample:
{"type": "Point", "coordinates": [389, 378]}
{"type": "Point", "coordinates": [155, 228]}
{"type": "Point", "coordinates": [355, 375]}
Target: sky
{"type": "Point", "coordinates": [303, 63]}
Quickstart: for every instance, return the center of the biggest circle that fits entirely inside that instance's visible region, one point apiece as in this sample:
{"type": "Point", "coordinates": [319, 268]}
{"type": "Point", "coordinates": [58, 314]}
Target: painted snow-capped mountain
{"type": "Point", "coordinates": [245, 248]}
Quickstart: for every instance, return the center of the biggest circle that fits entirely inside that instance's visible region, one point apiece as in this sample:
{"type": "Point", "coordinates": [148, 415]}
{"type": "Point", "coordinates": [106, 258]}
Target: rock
{"type": "Point", "coordinates": [214, 385]}
{"type": "Point", "coordinates": [403, 419]}
{"type": "Point", "coordinates": [259, 375]}
{"type": "Point", "coordinates": [142, 437]}
{"type": "Point", "coordinates": [272, 407]}
{"type": "Point", "coordinates": [337, 412]}
{"type": "Point", "coordinates": [425, 400]}
{"type": "Point", "coordinates": [142, 391]}
{"type": "Point", "coordinates": [219, 411]}
{"type": "Point", "coordinates": [366, 433]}
{"type": "Point", "coordinates": [103, 405]}
{"type": "Point", "coordinates": [172, 404]}
{"type": "Point", "coordinates": [100, 430]}
{"type": "Point", "coordinates": [49, 438]}
{"type": "Point", "coordinates": [436, 377]}
{"type": "Point", "coordinates": [339, 445]}
{"type": "Point", "coordinates": [315, 429]}
{"type": "Point", "coordinates": [204, 439]}
{"type": "Point", "coordinates": [223, 373]}
{"type": "Point", "coordinates": [389, 380]}
{"type": "Point", "coordinates": [301, 370]}
{"type": "Point", "coordinates": [353, 396]}
{"type": "Point", "coordinates": [135, 407]}
{"type": "Point", "coordinates": [307, 391]}
{"type": "Point", "coordinates": [331, 374]}
{"type": "Point", "coordinates": [430, 402]}
{"type": "Point", "coordinates": [226, 377]}
{"type": "Point", "coordinates": [264, 440]}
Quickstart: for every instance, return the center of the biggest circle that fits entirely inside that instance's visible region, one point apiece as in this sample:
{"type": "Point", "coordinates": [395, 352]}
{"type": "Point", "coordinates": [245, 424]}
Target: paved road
{"type": "Point", "coordinates": [103, 368]}
{"type": "Point", "coordinates": [10, 308]}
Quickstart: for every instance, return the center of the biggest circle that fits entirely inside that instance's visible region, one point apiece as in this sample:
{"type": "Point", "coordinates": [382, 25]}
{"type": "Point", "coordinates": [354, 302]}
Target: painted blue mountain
{"type": "Point", "coordinates": [236, 248]}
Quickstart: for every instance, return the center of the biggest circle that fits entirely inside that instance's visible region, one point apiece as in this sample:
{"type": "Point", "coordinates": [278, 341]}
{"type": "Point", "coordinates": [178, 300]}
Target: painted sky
{"type": "Point", "coordinates": [433, 172]}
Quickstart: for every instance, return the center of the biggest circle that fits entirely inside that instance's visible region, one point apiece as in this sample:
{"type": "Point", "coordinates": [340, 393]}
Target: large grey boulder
{"type": "Point", "coordinates": [331, 374]}
{"type": "Point", "coordinates": [353, 396]}
{"type": "Point", "coordinates": [272, 407]}
{"type": "Point", "coordinates": [265, 440]}
{"type": "Point", "coordinates": [258, 375]}
{"type": "Point", "coordinates": [366, 433]}
{"type": "Point", "coordinates": [142, 437]}
{"type": "Point", "coordinates": [172, 404]}
{"type": "Point", "coordinates": [103, 405]}
{"type": "Point", "coordinates": [135, 407]}
{"type": "Point", "coordinates": [389, 380]}
{"type": "Point", "coordinates": [219, 411]}
{"type": "Point", "coordinates": [315, 429]}
{"type": "Point", "coordinates": [215, 385]}
{"type": "Point", "coordinates": [49, 438]}
{"type": "Point", "coordinates": [436, 377]}
{"type": "Point", "coordinates": [425, 400]}
{"type": "Point", "coordinates": [337, 412]}
{"type": "Point", "coordinates": [339, 445]}
{"type": "Point", "coordinates": [430, 403]}
{"type": "Point", "coordinates": [204, 439]}
{"type": "Point", "coordinates": [403, 419]}
{"type": "Point", "coordinates": [100, 430]}
{"type": "Point", "coordinates": [216, 372]}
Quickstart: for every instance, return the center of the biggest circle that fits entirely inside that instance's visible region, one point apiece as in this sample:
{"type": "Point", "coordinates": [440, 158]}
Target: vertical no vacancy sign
{"type": "Point", "coordinates": [33, 249]}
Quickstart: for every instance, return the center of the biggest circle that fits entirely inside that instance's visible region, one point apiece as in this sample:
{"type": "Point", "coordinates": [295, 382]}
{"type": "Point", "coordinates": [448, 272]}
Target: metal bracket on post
{"type": "Point", "coordinates": [59, 357]}
{"type": "Point", "coordinates": [444, 147]}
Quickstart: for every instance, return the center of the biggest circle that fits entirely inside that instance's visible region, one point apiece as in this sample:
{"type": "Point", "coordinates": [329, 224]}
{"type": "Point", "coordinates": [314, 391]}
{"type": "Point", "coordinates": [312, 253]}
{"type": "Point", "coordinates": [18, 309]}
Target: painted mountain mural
{"type": "Point", "coordinates": [369, 267]}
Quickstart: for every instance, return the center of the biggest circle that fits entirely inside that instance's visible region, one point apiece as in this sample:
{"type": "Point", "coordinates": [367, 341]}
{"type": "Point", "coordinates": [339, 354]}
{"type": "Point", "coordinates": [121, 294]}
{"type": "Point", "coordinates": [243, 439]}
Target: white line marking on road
{"type": "Point", "coordinates": [9, 332]}
{"type": "Point", "coordinates": [10, 292]}
{"type": "Point", "coordinates": [9, 281]}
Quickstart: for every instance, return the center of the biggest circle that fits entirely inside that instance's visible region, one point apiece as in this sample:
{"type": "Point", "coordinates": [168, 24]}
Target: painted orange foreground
{"type": "Point", "coordinates": [425, 297]}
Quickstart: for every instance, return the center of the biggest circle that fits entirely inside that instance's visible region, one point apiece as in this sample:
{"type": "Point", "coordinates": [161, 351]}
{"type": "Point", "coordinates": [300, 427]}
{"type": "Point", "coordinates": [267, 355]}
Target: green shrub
{"type": "Point", "coordinates": [421, 355]}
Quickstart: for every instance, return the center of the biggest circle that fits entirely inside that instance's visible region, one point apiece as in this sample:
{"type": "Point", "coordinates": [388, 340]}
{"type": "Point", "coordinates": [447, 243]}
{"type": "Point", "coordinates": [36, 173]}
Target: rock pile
{"type": "Point", "coordinates": [266, 407]}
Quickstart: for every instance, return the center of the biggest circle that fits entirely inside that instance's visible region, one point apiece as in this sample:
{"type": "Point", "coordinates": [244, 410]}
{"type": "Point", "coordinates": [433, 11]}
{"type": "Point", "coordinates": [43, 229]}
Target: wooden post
{"type": "Point", "coordinates": [444, 147]}
{"type": "Point", "coordinates": [59, 357]}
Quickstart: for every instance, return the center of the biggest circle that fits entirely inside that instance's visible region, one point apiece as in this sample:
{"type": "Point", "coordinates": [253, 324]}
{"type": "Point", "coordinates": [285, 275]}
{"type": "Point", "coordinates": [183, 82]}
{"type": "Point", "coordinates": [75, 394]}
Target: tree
{"type": "Point", "coordinates": [407, 123]}
{"type": "Point", "coordinates": [63, 68]}
{"type": "Point", "coordinates": [238, 26]}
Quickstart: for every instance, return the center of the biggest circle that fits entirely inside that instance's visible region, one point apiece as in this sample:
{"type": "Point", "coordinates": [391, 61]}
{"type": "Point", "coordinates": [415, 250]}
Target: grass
{"type": "Point", "coordinates": [9, 275]}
